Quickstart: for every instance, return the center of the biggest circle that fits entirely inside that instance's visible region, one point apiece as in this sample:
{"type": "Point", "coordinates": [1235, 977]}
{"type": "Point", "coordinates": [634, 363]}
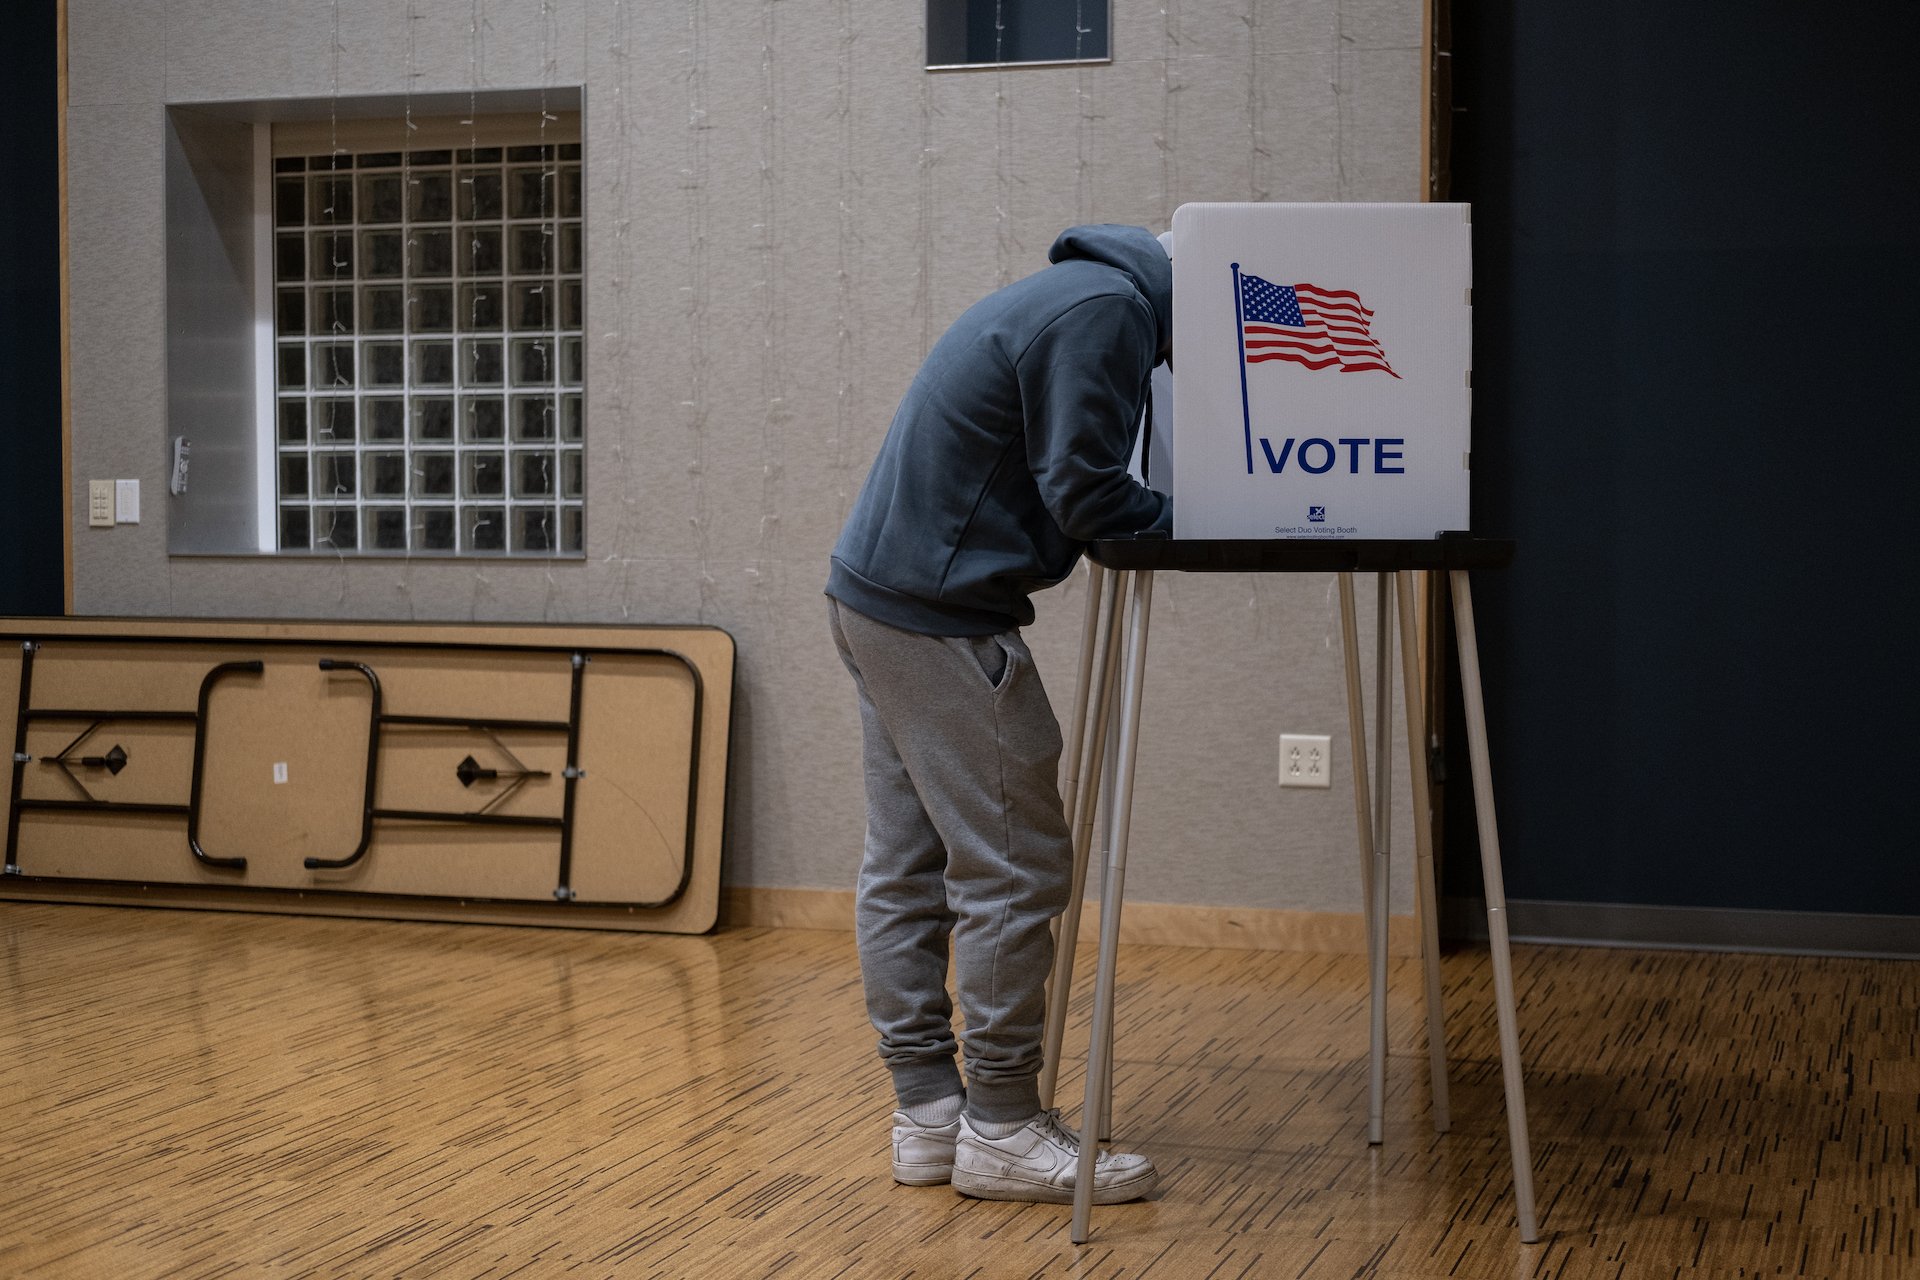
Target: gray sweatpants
{"type": "Point", "coordinates": [966, 838]}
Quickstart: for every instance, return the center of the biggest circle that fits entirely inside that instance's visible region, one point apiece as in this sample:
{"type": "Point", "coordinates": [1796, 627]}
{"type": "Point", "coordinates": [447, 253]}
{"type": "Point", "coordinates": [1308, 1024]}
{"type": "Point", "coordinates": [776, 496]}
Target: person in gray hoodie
{"type": "Point", "coordinates": [1006, 457]}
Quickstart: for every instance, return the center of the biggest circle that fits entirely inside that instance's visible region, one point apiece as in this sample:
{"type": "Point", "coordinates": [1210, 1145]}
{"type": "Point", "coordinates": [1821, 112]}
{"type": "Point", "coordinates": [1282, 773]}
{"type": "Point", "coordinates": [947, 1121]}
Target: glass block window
{"type": "Point", "coordinates": [429, 366]}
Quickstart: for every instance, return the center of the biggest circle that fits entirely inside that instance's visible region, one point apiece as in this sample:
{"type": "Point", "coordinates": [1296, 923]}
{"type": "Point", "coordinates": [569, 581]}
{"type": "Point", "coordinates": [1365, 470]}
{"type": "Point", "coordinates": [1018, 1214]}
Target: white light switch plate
{"type": "Point", "coordinates": [126, 501]}
{"type": "Point", "coordinates": [100, 504]}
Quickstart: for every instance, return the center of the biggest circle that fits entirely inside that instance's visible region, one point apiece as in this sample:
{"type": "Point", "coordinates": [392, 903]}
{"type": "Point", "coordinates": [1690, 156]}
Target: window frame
{"type": "Point", "coordinates": [932, 22]}
{"type": "Point", "coordinates": [485, 480]}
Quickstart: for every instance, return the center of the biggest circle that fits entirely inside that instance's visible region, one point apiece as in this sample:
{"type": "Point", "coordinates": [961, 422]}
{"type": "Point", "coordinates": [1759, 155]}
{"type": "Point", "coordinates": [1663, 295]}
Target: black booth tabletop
{"type": "Point", "coordinates": [1303, 555]}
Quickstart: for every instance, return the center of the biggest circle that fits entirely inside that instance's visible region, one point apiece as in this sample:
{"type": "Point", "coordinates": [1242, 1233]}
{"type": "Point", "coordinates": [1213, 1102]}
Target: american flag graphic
{"type": "Point", "coordinates": [1319, 328]}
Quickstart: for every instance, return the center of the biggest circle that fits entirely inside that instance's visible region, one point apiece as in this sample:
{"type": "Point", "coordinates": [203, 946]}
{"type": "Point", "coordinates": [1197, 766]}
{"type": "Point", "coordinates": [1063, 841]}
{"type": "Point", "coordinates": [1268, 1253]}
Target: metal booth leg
{"type": "Point", "coordinates": [1071, 751]}
{"type": "Point", "coordinates": [1083, 682]}
{"type": "Point", "coordinates": [1093, 703]}
{"type": "Point", "coordinates": [1109, 790]}
{"type": "Point", "coordinates": [1424, 877]}
{"type": "Point", "coordinates": [1496, 907]}
{"type": "Point", "coordinates": [1357, 735]}
{"type": "Point", "coordinates": [1112, 886]}
{"type": "Point", "coordinates": [1362, 816]}
{"type": "Point", "coordinates": [1382, 866]}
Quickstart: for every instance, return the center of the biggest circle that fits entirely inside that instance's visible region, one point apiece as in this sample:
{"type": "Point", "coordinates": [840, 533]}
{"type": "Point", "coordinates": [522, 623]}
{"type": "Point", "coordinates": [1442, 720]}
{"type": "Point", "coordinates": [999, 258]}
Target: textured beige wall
{"type": "Point", "coordinates": [784, 211]}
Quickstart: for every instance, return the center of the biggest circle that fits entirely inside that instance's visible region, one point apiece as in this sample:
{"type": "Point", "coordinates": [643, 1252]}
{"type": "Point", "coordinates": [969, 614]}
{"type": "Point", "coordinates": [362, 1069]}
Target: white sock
{"type": "Point", "coordinates": [934, 1114]}
{"type": "Point", "coordinates": [999, 1128]}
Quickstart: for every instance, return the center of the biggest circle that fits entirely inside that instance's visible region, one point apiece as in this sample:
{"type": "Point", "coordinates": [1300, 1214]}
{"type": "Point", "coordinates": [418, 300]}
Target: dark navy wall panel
{"type": "Point", "coordinates": [31, 568]}
{"type": "Point", "coordinates": [1696, 354]}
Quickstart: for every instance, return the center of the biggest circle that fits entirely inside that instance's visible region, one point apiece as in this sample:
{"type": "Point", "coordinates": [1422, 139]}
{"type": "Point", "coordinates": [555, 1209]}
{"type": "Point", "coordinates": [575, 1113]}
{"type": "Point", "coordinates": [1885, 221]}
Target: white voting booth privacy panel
{"type": "Point", "coordinates": [1322, 370]}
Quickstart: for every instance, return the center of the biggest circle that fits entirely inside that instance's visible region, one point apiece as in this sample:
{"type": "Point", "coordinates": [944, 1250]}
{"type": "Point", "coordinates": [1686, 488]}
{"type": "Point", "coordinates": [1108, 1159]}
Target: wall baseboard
{"type": "Point", "coordinates": [1607, 924]}
{"type": "Point", "coordinates": [1143, 923]}
{"type": "Point", "coordinates": [1554, 923]}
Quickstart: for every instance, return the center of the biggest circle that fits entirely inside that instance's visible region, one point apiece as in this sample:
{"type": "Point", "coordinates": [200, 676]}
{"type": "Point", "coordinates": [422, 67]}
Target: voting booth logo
{"type": "Point", "coordinates": [1323, 361]}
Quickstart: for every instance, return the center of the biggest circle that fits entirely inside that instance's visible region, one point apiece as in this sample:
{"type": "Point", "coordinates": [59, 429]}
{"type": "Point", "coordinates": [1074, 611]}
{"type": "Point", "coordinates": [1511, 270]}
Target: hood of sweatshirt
{"type": "Point", "coordinates": [1134, 250]}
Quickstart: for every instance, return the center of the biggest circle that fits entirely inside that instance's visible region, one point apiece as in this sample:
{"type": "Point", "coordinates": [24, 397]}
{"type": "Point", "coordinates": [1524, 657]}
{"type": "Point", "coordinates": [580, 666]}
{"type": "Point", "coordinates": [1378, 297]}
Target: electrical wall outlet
{"type": "Point", "coordinates": [1306, 760]}
{"type": "Point", "coordinates": [100, 504]}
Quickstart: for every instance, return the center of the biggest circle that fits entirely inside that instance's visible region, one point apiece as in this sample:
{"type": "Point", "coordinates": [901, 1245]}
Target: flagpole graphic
{"type": "Point", "coordinates": [1240, 328]}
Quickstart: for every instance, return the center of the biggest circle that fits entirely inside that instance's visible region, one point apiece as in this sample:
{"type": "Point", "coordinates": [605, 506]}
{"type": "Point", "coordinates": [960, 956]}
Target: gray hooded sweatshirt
{"type": "Point", "coordinates": [1009, 453]}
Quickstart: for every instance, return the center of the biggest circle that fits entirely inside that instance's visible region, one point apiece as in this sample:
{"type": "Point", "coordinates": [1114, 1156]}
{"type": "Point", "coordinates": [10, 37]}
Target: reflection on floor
{"type": "Point", "coordinates": [200, 1094]}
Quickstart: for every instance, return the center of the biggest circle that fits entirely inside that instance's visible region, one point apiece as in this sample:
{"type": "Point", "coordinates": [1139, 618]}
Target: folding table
{"type": "Point", "coordinates": [1100, 760]}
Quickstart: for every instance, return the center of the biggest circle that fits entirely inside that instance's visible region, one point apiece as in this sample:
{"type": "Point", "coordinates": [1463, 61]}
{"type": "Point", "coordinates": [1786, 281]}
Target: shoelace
{"type": "Point", "coordinates": [1050, 1124]}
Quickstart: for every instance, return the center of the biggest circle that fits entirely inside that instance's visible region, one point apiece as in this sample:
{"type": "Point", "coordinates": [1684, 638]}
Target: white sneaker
{"type": "Point", "coordinates": [1039, 1162]}
{"type": "Point", "coordinates": [922, 1153]}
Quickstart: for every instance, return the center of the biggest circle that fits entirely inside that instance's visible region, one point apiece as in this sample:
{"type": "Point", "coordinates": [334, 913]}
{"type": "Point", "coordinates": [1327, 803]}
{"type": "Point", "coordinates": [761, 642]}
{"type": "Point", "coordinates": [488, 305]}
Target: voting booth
{"type": "Point", "coordinates": [1323, 362]}
{"type": "Point", "coordinates": [1316, 419]}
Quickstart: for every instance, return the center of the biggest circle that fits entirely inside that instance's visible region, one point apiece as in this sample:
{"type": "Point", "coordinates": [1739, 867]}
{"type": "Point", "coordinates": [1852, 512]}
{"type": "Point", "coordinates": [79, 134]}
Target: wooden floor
{"type": "Point", "coordinates": [198, 1094]}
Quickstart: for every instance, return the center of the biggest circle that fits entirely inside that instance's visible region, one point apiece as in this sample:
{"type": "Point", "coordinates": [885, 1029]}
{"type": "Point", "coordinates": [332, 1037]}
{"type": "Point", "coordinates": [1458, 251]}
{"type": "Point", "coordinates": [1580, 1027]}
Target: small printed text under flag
{"type": "Point", "coordinates": [1306, 324]}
